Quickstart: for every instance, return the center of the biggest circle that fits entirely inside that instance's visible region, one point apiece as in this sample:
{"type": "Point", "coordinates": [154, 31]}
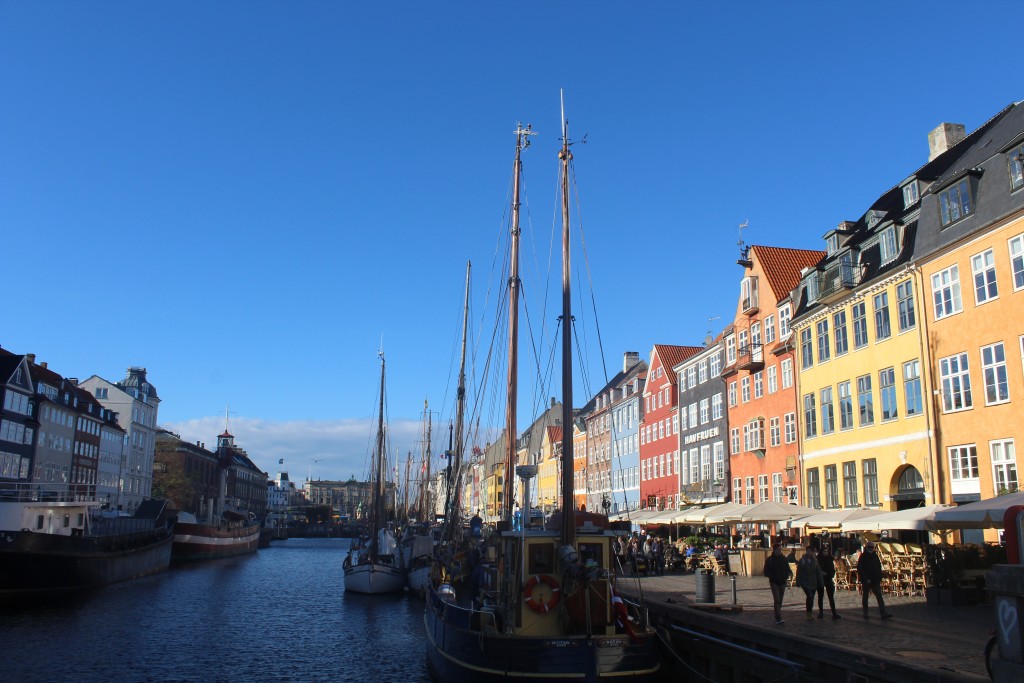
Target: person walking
{"type": "Point", "coordinates": [869, 568]}
{"type": "Point", "coordinates": [776, 568]}
{"type": "Point", "coordinates": [828, 570]}
{"type": "Point", "coordinates": [809, 577]}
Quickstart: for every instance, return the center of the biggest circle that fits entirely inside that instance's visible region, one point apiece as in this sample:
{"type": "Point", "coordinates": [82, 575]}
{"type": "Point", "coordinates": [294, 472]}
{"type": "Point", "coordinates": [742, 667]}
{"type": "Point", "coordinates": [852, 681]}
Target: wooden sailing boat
{"type": "Point", "coordinates": [540, 603]}
{"type": "Point", "coordinates": [373, 563]}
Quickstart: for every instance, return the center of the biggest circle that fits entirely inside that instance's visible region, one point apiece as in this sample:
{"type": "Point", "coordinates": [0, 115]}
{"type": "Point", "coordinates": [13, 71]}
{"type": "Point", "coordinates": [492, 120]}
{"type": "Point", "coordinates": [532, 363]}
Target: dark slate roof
{"type": "Point", "coordinates": [136, 379]}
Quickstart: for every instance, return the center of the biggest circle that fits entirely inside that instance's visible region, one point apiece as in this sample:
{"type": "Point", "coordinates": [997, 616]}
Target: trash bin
{"type": "Point", "coordinates": [705, 585]}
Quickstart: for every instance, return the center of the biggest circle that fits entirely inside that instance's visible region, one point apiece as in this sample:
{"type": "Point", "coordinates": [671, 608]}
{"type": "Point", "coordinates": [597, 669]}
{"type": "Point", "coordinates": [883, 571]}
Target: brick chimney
{"type": "Point", "coordinates": [629, 359]}
{"type": "Point", "coordinates": [944, 137]}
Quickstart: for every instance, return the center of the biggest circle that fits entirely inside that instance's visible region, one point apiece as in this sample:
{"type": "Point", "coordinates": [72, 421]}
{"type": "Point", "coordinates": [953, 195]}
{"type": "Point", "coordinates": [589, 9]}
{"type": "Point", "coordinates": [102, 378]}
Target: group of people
{"type": "Point", "coordinates": [644, 556]}
{"type": "Point", "coordinates": [815, 574]}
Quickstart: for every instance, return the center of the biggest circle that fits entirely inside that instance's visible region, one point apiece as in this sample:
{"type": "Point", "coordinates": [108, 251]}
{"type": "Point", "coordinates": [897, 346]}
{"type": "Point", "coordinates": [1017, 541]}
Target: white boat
{"type": "Point", "coordinates": [374, 564]}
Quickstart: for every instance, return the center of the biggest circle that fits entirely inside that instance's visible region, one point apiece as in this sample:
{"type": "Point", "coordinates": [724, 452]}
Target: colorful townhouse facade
{"type": "Point", "coordinates": [627, 411]}
{"type": "Point", "coordinates": [659, 427]}
{"type": "Point", "coordinates": [970, 258]}
{"type": "Point", "coordinates": [760, 377]}
{"type": "Point", "coordinates": [549, 471]}
{"type": "Point", "coordinates": [703, 471]}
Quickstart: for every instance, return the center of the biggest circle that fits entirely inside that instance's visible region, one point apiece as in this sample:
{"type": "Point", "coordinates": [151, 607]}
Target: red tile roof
{"type": "Point", "coordinates": [782, 266]}
{"type": "Point", "coordinates": [672, 356]}
{"type": "Point", "coordinates": [555, 434]}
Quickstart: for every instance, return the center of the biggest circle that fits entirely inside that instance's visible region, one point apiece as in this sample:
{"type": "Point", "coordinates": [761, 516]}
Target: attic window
{"type": "Point", "coordinates": [888, 245]}
{"type": "Point", "coordinates": [1016, 156]}
{"type": "Point", "coordinates": [911, 194]}
{"type": "Point", "coordinates": [955, 203]}
{"type": "Point", "coordinates": [832, 243]}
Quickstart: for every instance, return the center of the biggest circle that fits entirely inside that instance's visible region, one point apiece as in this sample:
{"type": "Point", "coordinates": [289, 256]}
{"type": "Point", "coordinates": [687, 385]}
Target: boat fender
{"type": "Point", "coordinates": [537, 605]}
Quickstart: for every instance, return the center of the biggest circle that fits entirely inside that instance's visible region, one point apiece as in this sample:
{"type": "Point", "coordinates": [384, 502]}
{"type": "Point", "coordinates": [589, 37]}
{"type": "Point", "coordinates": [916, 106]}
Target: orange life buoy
{"type": "Point", "coordinates": [537, 605]}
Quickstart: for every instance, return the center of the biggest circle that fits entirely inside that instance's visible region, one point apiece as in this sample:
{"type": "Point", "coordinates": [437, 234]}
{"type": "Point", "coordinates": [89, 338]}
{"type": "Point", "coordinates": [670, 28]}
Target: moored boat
{"type": "Point", "coordinates": [374, 561]}
{"type": "Point", "coordinates": [226, 530]}
{"type": "Point", "coordinates": [536, 603]}
{"type": "Point", "coordinates": [63, 544]}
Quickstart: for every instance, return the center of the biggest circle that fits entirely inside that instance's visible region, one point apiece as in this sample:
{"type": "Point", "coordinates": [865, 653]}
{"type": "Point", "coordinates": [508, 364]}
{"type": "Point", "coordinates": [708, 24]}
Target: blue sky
{"type": "Point", "coordinates": [245, 197]}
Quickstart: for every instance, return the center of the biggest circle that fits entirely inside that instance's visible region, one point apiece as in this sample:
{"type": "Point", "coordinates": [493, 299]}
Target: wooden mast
{"type": "Point", "coordinates": [376, 513]}
{"type": "Point", "coordinates": [460, 410]}
{"type": "Point", "coordinates": [568, 531]}
{"type": "Point", "coordinates": [522, 142]}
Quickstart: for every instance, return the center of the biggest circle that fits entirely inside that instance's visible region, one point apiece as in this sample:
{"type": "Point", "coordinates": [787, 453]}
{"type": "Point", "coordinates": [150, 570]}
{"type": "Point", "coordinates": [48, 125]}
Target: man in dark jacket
{"type": "Point", "coordinates": [776, 568]}
{"type": "Point", "coordinates": [869, 569]}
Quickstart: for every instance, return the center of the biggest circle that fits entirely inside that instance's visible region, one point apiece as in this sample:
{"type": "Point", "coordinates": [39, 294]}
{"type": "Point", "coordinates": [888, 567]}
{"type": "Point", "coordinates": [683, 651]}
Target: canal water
{"type": "Point", "coordinates": [279, 615]}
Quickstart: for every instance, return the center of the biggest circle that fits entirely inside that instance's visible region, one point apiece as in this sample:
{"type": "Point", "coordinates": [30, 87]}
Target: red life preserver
{"type": "Point", "coordinates": [537, 605]}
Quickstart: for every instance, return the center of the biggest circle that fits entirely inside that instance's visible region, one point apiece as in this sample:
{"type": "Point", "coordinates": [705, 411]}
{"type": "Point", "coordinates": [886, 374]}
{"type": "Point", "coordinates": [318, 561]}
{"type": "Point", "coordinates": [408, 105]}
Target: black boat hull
{"type": "Point", "coordinates": [462, 652]}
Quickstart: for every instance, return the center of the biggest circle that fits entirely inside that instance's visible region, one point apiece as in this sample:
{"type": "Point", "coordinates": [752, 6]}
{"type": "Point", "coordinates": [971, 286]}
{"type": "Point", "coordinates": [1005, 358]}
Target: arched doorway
{"type": "Point", "coordinates": [909, 489]}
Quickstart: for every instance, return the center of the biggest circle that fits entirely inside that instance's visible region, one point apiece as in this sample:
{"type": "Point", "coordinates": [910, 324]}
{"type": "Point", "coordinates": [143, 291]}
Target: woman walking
{"type": "Point", "coordinates": [827, 562]}
{"type": "Point", "coordinates": [810, 578]}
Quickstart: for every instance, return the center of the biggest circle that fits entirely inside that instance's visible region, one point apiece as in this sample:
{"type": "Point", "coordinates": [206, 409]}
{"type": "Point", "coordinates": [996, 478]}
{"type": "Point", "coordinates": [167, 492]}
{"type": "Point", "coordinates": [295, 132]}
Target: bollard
{"type": "Point", "coordinates": [733, 577]}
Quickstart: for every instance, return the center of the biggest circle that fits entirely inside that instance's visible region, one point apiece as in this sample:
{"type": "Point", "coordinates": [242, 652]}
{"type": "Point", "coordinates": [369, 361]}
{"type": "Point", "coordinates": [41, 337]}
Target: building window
{"type": "Point", "coordinates": [693, 415]}
{"type": "Point", "coordinates": [823, 341]}
{"type": "Point", "coordinates": [769, 329]}
{"type": "Point", "coordinates": [956, 383]}
{"type": "Point", "coordinates": [813, 488]}
{"type": "Point", "coordinates": [705, 463]}
{"type": "Point", "coordinates": [810, 417]}
{"type": "Point", "coordinates": [806, 349]}
{"type": "Point", "coordinates": [887, 245]}
{"type": "Point", "coordinates": [905, 305]}
{"type": "Point", "coordinates": [737, 490]}
{"type": "Point", "coordinates": [845, 406]}
{"type": "Point", "coordinates": [787, 373]}
{"type": "Point", "coordinates": [716, 407]}
{"type": "Point", "coordinates": [1016, 161]}
{"type": "Point", "coordinates": [773, 379]}
{"type": "Point", "coordinates": [758, 384]}
{"type": "Point", "coordinates": [790, 427]}
{"type": "Point", "coordinates": [1004, 466]}
{"type": "Point", "coordinates": [993, 366]}
{"type": "Point", "coordinates": [963, 463]}
{"type": "Point", "coordinates": [828, 424]}
{"type": "Point", "coordinates": [946, 292]}
{"type": "Point", "coordinates": [762, 486]}
{"type": "Point", "coordinates": [887, 392]}
{"type": "Point", "coordinates": [850, 484]}
{"type": "Point", "coordinates": [735, 440]}
{"type": "Point", "coordinates": [702, 371]}
{"type": "Point", "coordinates": [869, 469]}
{"type": "Point", "coordinates": [784, 316]}
{"type": "Point", "coordinates": [745, 389]}
{"type": "Point", "coordinates": [719, 450]}
{"type": "Point", "coordinates": [778, 491]}
{"type": "Point", "coordinates": [691, 380]}
{"type": "Point", "coordinates": [730, 350]}
{"type": "Point", "coordinates": [831, 487]}
{"type": "Point", "coordinates": [716, 364]}
{"type": "Point", "coordinates": [912, 387]}
{"type": "Point", "coordinates": [882, 330]}
{"type": "Point", "coordinates": [839, 330]}
{"type": "Point", "coordinates": [732, 393]}
{"type": "Point", "coordinates": [984, 267]}
{"type": "Point", "coordinates": [750, 489]}
{"type": "Point", "coordinates": [1017, 261]}
{"type": "Point", "coordinates": [775, 432]}
{"type": "Point", "coordinates": [910, 194]}
{"type": "Point", "coordinates": [864, 401]}
{"type": "Point", "coordinates": [860, 325]}
{"type": "Point", "coordinates": [705, 405]}
{"type": "Point", "coordinates": [955, 203]}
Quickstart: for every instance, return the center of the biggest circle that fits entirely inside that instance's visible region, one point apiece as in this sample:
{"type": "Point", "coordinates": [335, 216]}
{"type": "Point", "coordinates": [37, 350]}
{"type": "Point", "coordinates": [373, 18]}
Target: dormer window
{"type": "Point", "coordinates": [811, 283]}
{"type": "Point", "coordinates": [911, 194]}
{"type": "Point", "coordinates": [955, 202]}
{"type": "Point", "coordinates": [1016, 156]}
{"type": "Point", "coordinates": [887, 244]}
{"type": "Point", "coordinates": [832, 243]}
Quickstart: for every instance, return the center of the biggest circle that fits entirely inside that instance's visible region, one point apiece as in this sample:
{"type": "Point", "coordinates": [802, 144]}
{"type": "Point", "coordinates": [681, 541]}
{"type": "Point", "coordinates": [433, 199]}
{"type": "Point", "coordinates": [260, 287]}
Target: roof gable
{"type": "Point", "coordinates": [782, 266]}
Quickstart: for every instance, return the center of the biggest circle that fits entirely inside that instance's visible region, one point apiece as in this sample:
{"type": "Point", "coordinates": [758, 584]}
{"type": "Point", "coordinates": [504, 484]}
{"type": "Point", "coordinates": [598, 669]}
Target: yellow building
{"type": "Point", "coordinates": [866, 430]}
{"type": "Point", "coordinates": [971, 257]}
{"type": "Point", "coordinates": [548, 480]}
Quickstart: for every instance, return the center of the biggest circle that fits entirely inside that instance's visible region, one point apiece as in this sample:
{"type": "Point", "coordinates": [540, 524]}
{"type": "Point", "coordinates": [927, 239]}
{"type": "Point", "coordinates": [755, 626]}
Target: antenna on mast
{"type": "Point", "coordinates": [710, 335]}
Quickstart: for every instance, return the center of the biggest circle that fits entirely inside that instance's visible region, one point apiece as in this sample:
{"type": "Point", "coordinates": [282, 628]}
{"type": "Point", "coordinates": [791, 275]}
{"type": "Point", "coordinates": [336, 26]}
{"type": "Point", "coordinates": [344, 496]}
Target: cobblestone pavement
{"type": "Point", "coordinates": [929, 636]}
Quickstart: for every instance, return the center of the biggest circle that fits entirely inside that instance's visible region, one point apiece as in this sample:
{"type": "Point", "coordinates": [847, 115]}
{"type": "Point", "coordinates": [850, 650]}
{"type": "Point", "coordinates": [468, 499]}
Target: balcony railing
{"type": "Point", "coordinates": [836, 281]}
{"type": "Point", "coordinates": [750, 357]}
